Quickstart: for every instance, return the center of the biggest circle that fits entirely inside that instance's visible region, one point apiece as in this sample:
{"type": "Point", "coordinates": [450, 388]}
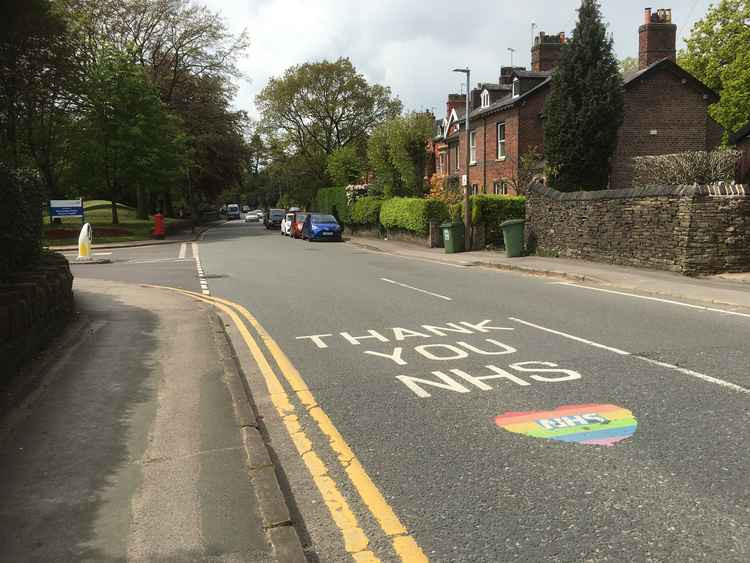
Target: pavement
{"type": "Point", "coordinates": [420, 406]}
{"type": "Point", "coordinates": [723, 289]}
{"type": "Point", "coordinates": [133, 439]}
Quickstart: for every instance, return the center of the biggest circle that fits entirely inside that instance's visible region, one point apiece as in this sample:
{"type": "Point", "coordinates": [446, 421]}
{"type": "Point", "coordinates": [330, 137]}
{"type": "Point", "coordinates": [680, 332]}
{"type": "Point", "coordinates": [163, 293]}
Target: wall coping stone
{"type": "Point", "coordinates": [720, 189]}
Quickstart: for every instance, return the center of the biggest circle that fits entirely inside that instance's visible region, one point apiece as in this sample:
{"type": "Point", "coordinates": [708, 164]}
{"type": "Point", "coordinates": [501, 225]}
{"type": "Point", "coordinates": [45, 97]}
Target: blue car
{"type": "Point", "coordinates": [321, 227]}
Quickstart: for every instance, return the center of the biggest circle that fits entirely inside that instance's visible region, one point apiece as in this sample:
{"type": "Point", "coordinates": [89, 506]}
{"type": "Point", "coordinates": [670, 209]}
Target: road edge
{"type": "Point", "coordinates": [272, 502]}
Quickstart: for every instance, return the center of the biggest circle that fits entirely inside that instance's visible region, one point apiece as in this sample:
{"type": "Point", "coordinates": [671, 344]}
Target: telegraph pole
{"type": "Point", "coordinates": [467, 209]}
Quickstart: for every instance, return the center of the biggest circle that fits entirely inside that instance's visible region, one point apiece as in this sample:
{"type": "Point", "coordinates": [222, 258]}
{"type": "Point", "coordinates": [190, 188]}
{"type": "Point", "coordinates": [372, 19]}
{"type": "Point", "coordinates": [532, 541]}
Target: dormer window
{"type": "Point", "coordinates": [516, 87]}
{"type": "Point", "coordinates": [485, 99]}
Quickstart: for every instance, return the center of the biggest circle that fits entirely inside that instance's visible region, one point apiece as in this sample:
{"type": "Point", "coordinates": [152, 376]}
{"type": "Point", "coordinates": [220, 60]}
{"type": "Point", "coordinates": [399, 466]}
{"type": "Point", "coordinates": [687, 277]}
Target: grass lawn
{"type": "Point", "coordinates": [99, 214]}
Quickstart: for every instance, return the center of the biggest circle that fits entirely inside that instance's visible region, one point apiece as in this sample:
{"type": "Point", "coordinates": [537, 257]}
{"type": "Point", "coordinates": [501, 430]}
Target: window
{"type": "Point", "coordinates": [474, 189]}
{"type": "Point", "coordinates": [500, 187]}
{"type": "Point", "coordinates": [516, 87]}
{"type": "Point", "coordinates": [473, 143]}
{"type": "Point", "coordinates": [457, 161]}
{"type": "Point", "coordinates": [501, 141]}
{"type": "Point", "coordinates": [485, 99]}
{"type": "Point", "coordinates": [441, 163]}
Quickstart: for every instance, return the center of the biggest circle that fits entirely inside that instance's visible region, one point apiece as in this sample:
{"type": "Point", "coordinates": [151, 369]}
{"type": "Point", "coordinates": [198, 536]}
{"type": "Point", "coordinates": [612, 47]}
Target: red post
{"type": "Point", "coordinates": [159, 229]}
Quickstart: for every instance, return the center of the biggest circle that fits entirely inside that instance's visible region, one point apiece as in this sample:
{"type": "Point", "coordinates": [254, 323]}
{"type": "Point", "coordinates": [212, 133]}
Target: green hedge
{"type": "Point", "coordinates": [21, 200]}
{"type": "Point", "coordinates": [366, 211]}
{"type": "Point", "coordinates": [492, 211]}
{"type": "Point", "coordinates": [412, 214]}
{"type": "Point", "coordinates": [333, 201]}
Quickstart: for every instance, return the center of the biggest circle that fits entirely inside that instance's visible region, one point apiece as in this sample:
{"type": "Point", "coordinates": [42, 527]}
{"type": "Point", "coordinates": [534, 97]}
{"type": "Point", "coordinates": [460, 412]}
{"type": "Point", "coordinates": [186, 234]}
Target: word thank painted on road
{"type": "Point", "coordinates": [601, 425]}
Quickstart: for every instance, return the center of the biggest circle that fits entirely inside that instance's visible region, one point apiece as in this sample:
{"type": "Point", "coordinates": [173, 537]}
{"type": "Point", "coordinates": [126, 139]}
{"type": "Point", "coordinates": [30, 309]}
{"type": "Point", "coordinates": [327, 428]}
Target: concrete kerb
{"type": "Point", "coordinates": [272, 502]}
{"type": "Point", "coordinates": [199, 233]}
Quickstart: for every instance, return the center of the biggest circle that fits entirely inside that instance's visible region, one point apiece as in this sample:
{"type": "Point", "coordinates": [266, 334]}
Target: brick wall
{"type": "Point", "coordinates": [689, 229]}
{"type": "Point", "coordinates": [678, 114]}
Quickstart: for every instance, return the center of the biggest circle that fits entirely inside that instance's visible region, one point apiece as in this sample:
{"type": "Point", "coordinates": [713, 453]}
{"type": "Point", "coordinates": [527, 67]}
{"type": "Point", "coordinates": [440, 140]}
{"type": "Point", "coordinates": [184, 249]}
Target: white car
{"type": "Point", "coordinates": [252, 217]}
{"type": "Point", "coordinates": [286, 224]}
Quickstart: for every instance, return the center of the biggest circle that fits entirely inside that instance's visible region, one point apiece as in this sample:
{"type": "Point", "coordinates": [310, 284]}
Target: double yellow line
{"type": "Point", "coordinates": [355, 540]}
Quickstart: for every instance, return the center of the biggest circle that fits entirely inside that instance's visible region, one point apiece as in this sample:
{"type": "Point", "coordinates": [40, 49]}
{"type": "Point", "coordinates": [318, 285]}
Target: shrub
{"type": "Point", "coordinates": [366, 211]}
{"type": "Point", "coordinates": [333, 201]}
{"type": "Point", "coordinates": [412, 214]}
{"type": "Point", "coordinates": [21, 199]}
{"type": "Point", "coordinates": [695, 167]}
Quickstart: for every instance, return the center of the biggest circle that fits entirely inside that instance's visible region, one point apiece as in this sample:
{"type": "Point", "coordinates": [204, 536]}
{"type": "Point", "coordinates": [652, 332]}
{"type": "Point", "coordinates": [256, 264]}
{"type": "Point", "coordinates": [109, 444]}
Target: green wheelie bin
{"type": "Point", "coordinates": [513, 237]}
{"type": "Point", "coordinates": [453, 237]}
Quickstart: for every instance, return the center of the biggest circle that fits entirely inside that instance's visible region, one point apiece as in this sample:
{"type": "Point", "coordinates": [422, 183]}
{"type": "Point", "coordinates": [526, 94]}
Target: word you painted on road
{"type": "Point", "coordinates": [602, 425]}
{"type": "Point", "coordinates": [453, 380]}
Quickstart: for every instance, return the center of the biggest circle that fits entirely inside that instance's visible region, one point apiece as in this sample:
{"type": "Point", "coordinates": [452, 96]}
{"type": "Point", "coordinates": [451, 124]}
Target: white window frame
{"type": "Point", "coordinates": [485, 99]}
{"type": "Point", "coordinates": [516, 87]}
{"type": "Point", "coordinates": [441, 163]}
{"type": "Point", "coordinates": [501, 150]}
{"type": "Point", "coordinates": [473, 146]}
{"type": "Point", "coordinates": [502, 185]}
{"type": "Point", "coordinates": [474, 189]}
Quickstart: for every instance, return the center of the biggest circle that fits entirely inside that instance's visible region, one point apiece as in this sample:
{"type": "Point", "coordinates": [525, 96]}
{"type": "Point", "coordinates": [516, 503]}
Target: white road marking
{"type": "Point", "coordinates": [199, 268]}
{"type": "Point", "coordinates": [571, 337]}
{"type": "Point", "coordinates": [658, 299]}
{"type": "Point", "coordinates": [183, 249]}
{"type": "Point", "coordinates": [685, 371]}
{"type": "Point", "coordinates": [101, 253]}
{"type": "Point", "coordinates": [417, 289]}
{"type": "Point", "coordinates": [157, 260]}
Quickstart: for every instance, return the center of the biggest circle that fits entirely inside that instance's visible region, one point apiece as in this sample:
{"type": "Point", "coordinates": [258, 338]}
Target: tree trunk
{"type": "Point", "coordinates": [168, 208]}
{"type": "Point", "coordinates": [142, 203]}
{"type": "Point", "coordinates": [115, 219]}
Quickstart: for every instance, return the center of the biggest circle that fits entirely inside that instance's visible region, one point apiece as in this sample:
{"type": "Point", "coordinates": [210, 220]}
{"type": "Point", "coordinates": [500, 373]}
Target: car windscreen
{"type": "Point", "coordinates": [276, 215]}
{"type": "Point", "coordinates": [323, 219]}
{"type": "Point", "coordinates": [301, 217]}
{"type": "Point", "coordinates": [290, 216]}
{"type": "Point", "coordinates": [233, 208]}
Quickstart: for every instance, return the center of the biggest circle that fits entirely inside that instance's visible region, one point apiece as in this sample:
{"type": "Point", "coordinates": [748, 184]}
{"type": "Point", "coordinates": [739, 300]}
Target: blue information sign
{"type": "Point", "coordinates": [66, 208]}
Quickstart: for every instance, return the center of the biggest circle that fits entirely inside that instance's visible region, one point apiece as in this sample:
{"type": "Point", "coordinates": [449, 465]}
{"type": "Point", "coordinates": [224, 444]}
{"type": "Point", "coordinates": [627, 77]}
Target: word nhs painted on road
{"type": "Point", "coordinates": [571, 421]}
{"type": "Point", "coordinates": [452, 380]}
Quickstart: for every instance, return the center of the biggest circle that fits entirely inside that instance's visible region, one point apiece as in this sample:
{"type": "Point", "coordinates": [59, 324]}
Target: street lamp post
{"type": "Point", "coordinates": [467, 210]}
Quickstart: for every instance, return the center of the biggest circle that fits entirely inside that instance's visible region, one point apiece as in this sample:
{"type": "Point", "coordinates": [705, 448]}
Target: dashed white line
{"type": "Point", "coordinates": [658, 299]}
{"type": "Point", "coordinates": [183, 250]}
{"type": "Point", "coordinates": [417, 289]}
{"type": "Point", "coordinates": [678, 369]}
{"type": "Point", "coordinates": [201, 273]}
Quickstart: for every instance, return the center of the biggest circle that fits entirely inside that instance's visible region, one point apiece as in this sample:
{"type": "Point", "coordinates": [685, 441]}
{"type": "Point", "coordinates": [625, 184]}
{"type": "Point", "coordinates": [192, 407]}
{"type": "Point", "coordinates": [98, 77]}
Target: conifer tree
{"type": "Point", "coordinates": [585, 107]}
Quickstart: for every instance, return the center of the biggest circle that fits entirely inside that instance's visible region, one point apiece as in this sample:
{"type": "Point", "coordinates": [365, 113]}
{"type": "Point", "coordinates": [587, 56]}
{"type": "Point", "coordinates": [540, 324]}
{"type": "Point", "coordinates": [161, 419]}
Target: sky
{"type": "Point", "coordinates": [412, 46]}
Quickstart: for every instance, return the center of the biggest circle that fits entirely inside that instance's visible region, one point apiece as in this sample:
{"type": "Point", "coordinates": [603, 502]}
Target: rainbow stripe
{"type": "Point", "coordinates": [602, 425]}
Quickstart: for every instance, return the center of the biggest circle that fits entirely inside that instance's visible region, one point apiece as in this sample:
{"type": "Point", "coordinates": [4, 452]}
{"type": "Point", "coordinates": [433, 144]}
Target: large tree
{"type": "Point", "coordinates": [585, 107]}
{"type": "Point", "coordinates": [323, 106]}
{"type": "Point", "coordinates": [717, 53]}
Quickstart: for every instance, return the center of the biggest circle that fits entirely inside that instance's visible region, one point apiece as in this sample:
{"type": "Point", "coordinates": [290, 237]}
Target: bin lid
{"type": "Point", "coordinates": [449, 224]}
{"type": "Point", "coordinates": [512, 222]}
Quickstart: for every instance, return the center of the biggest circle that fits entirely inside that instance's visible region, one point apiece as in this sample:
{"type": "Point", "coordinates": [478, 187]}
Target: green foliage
{"type": "Point", "coordinates": [21, 199]}
{"type": "Point", "coordinates": [345, 166]}
{"type": "Point", "coordinates": [628, 64]}
{"type": "Point", "coordinates": [366, 211]}
{"type": "Point", "coordinates": [685, 168]}
{"type": "Point", "coordinates": [585, 107]}
{"type": "Point", "coordinates": [412, 214]}
{"type": "Point", "coordinates": [397, 152]}
{"type": "Point", "coordinates": [491, 211]}
{"type": "Point", "coordinates": [717, 53]}
{"type": "Point", "coordinates": [333, 201]}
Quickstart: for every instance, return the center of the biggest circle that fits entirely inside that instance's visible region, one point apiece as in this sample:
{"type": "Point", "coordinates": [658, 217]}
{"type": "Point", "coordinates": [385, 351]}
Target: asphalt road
{"type": "Point", "coordinates": [446, 403]}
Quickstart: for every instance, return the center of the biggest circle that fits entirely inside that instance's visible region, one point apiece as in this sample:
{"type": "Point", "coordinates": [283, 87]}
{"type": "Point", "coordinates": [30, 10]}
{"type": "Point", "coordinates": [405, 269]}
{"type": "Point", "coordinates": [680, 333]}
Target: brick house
{"type": "Point", "coordinates": [666, 111]}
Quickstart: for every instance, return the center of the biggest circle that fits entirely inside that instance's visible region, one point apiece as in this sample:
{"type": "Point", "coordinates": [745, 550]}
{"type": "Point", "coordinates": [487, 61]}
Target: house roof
{"type": "Point", "coordinates": [507, 102]}
{"type": "Point", "coordinates": [533, 73]}
{"type": "Point", "coordinates": [670, 66]}
{"type": "Point", "coordinates": [740, 135]}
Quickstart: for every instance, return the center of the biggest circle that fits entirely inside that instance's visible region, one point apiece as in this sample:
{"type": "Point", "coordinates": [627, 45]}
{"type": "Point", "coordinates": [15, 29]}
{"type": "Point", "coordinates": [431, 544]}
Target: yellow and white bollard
{"type": "Point", "coordinates": [84, 243]}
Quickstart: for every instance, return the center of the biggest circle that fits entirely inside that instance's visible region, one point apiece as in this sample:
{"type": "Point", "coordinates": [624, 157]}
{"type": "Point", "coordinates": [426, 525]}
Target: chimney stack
{"type": "Point", "coordinates": [657, 38]}
{"type": "Point", "coordinates": [546, 50]}
{"type": "Point", "coordinates": [455, 101]}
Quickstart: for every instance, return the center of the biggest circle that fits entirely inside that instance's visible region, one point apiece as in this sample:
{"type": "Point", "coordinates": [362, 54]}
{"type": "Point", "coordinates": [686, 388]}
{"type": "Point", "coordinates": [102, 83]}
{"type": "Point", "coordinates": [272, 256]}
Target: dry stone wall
{"type": "Point", "coordinates": [694, 230]}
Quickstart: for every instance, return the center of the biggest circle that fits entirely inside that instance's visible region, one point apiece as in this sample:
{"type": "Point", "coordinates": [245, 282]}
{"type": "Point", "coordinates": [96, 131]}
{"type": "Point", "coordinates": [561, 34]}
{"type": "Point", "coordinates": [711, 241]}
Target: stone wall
{"type": "Point", "coordinates": [689, 229]}
{"type": "Point", "coordinates": [34, 306]}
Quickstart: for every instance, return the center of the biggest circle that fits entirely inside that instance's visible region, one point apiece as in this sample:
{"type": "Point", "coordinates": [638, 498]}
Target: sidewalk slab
{"type": "Point", "coordinates": [727, 289]}
{"type": "Point", "coordinates": [134, 449]}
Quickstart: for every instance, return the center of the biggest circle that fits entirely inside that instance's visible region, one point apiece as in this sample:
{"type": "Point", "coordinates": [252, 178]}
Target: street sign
{"type": "Point", "coordinates": [66, 208]}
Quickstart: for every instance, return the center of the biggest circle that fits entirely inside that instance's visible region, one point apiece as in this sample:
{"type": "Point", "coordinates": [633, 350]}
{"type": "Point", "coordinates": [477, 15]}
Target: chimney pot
{"type": "Point", "coordinates": [647, 15]}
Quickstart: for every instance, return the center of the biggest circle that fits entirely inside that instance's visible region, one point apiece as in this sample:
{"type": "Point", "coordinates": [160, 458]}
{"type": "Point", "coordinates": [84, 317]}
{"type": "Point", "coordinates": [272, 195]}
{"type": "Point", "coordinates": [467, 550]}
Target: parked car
{"type": "Point", "coordinates": [299, 221]}
{"type": "Point", "coordinates": [246, 209]}
{"type": "Point", "coordinates": [286, 224]}
{"type": "Point", "coordinates": [252, 217]}
{"type": "Point", "coordinates": [274, 218]}
{"type": "Point", "coordinates": [233, 211]}
{"type": "Point", "coordinates": [321, 227]}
